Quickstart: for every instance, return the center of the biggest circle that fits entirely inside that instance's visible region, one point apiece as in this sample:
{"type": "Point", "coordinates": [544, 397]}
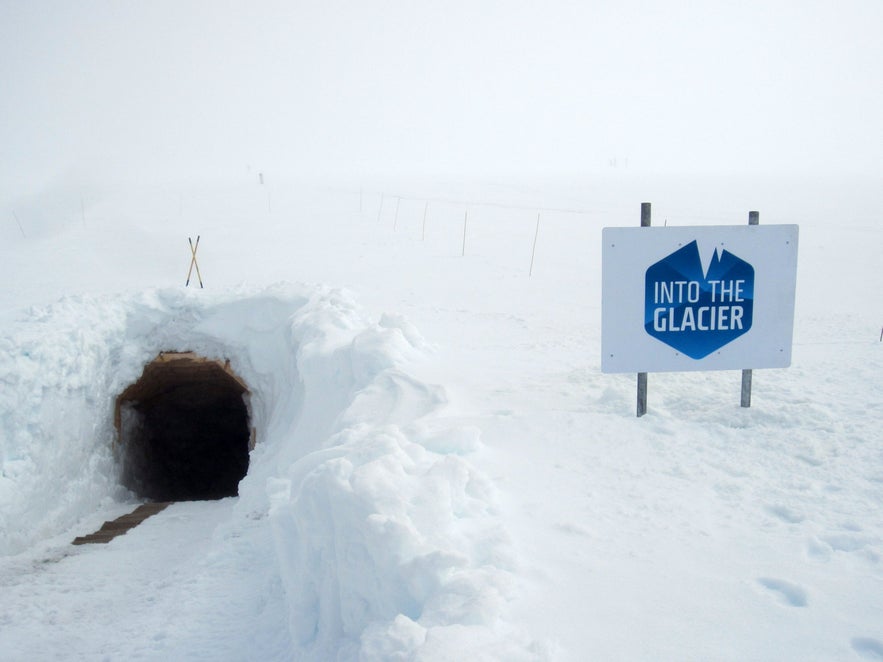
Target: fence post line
{"type": "Point", "coordinates": [642, 376]}
{"type": "Point", "coordinates": [395, 220]}
{"type": "Point", "coordinates": [380, 208]}
{"type": "Point", "coordinates": [753, 219]}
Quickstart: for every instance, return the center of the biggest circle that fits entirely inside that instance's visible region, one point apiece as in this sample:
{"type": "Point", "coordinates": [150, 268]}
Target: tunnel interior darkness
{"type": "Point", "coordinates": [183, 430]}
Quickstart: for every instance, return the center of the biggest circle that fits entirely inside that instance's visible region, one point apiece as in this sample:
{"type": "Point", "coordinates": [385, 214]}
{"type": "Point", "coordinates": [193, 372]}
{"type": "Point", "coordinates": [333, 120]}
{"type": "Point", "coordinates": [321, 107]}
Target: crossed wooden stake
{"type": "Point", "coordinates": [193, 263]}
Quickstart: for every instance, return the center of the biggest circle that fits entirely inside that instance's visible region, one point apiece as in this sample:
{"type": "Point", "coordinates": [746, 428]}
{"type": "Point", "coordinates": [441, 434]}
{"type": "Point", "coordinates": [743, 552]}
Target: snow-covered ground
{"type": "Point", "coordinates": [441, 469]}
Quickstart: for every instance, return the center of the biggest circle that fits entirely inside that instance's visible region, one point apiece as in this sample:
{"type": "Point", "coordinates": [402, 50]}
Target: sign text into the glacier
{"type": "Point", "coordinates": [698, 298]}
{"type": "Point", "coordinates": [697, 312]}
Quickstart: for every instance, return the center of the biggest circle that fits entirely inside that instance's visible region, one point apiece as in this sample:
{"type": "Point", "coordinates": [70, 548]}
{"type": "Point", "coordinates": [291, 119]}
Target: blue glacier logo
{"type": "Point", "coordinates": [694, 312]}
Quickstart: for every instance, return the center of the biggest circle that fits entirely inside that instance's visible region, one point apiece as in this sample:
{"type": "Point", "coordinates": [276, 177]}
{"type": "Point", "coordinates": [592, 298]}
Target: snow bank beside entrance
{"type": "Point", "coordinates": [58, 369]}
{"type": "Point", "coordinates": [386, 538]}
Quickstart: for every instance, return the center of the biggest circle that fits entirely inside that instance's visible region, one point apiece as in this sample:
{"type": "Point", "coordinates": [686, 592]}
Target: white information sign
{"type": "Point", "coordinates": [698, 298]}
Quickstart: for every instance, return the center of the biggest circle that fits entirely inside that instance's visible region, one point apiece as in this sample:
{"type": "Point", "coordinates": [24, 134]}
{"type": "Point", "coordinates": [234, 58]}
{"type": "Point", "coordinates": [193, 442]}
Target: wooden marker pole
{"type": "Point", "coordinates": [642, 376]}
{"type": "Point", "coordinates": [193, 262]}
{"type": "Point", "coordinates": [753, 219]}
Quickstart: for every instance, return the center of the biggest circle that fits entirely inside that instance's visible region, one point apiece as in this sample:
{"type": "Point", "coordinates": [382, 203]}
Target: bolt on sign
{"type": "Point", "coordinates": [698, 298]}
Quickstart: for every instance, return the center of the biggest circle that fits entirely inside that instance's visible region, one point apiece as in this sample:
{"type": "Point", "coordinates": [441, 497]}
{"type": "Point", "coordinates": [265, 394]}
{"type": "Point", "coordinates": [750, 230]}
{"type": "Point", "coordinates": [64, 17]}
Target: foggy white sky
{"type": "Point", "coordinates": [171, 87]}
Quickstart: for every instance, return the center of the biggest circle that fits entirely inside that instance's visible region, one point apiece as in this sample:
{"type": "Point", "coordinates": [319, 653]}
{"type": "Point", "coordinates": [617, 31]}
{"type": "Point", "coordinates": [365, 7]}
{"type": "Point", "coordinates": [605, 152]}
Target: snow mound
{"type": "Point", "coordinates": [386, 538]}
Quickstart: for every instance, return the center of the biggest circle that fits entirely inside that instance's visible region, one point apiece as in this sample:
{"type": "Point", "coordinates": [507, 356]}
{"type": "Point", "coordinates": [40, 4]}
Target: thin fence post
{"type": "Point", "coordinates": [380, 208]}
{"type": "Point", "coordinates": [425, 210]}
{"type": "Point", "coordinates": [753, 219]}
{"type": "Point", "coordinates": [642, 376]}
{"type": "Point", "coordinates": [533, 251]}
{"type": "Point", "coordinates": [395, 220]}
{"type": "Point", "coordinates": [465, 220]}
{"type": "Point", "coordinates": [22, 230]}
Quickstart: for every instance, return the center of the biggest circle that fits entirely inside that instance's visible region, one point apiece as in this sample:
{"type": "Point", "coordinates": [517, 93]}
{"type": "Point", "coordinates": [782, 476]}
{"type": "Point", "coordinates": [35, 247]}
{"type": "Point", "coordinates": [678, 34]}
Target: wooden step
{"type": "Point", "coordinates": [119, 526]}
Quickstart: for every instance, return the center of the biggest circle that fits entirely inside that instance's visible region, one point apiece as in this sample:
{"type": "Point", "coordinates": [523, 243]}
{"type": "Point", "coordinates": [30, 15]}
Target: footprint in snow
{"type": "Point", "coordinates": [572, 529]}
{"type": "Point", "coordinates": [846, 542]}
{"type": "Point", "coordinates": [850, 541]}
{"type": "Point", "coordinates": [811, 461]}
{"type": "Point", "coordinates": [785, 514]}
{"type": "Point", "coordinates": [867, 647]}
{"type": "Point", "coordinates": [791, 594]}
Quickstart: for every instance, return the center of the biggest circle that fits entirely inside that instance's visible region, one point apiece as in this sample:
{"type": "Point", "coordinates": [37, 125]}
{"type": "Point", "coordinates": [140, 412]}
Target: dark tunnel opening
{"type": "Point", "coordinates": [184, 431]}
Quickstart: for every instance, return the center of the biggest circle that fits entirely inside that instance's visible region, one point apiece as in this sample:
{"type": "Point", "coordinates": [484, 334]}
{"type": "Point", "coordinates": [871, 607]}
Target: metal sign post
{"type": "Point", "coordinates": [642, 376]}
{"type": "Point", "coordinates": [753, 219]}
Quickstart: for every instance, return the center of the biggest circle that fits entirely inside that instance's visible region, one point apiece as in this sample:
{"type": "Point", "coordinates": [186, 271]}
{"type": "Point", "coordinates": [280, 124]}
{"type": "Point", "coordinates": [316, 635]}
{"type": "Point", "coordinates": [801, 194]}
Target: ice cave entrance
{"type": "Point", "coordinates": [183, 429]}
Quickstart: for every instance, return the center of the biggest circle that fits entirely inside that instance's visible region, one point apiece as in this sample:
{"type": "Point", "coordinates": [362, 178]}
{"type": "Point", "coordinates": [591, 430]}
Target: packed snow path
{"type": "Point", "coordinates": [164, 590]}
